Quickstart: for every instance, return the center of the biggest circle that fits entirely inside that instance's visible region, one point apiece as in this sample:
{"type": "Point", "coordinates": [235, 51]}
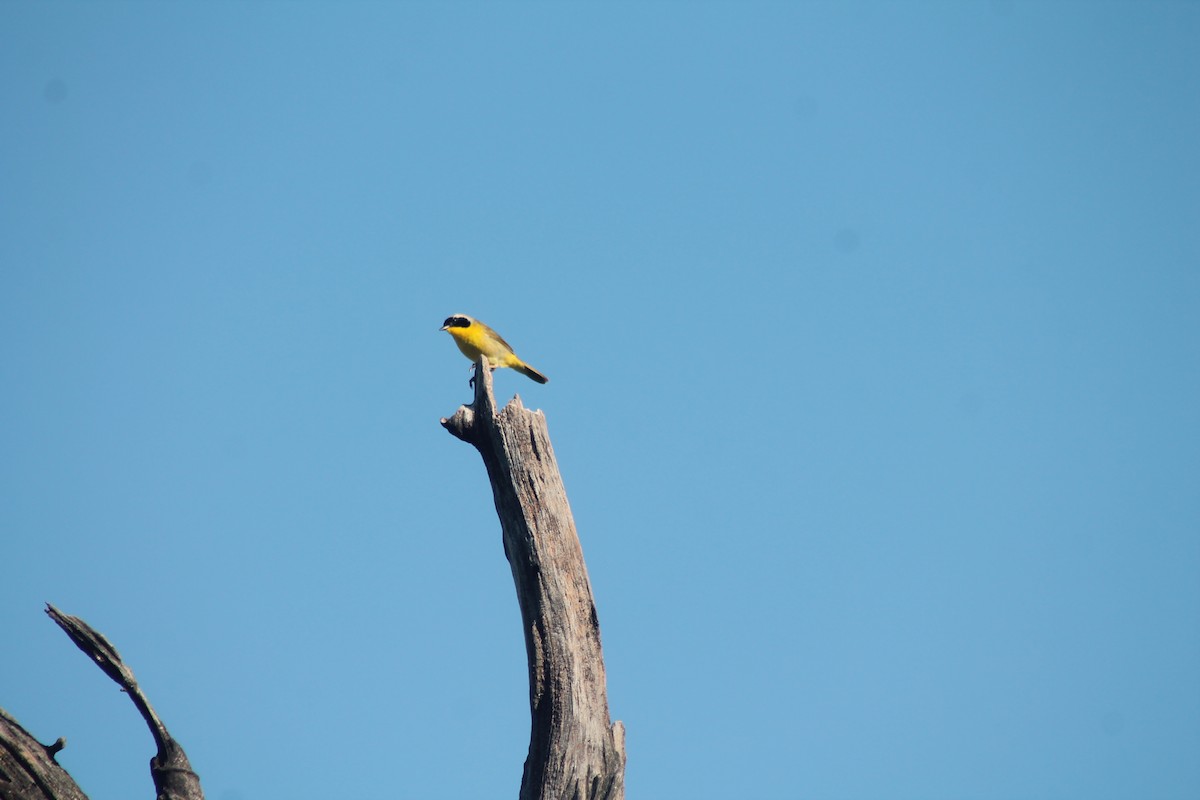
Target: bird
{"type": "Point", "coordinates": [475, 339]}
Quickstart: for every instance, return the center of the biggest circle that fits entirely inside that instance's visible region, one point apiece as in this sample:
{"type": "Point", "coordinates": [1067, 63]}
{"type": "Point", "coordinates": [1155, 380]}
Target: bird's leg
{"type": "Point", "coordinates": [471, 382]}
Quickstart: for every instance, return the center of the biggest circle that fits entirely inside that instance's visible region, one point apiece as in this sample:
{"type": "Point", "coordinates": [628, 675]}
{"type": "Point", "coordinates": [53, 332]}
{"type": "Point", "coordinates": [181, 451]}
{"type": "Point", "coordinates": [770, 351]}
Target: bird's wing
{"type": "Point", "coordinates": [495, 336]}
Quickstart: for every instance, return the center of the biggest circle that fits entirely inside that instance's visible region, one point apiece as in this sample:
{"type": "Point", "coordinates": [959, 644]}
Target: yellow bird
{"type": "Point", "coordinates": [475, 339]}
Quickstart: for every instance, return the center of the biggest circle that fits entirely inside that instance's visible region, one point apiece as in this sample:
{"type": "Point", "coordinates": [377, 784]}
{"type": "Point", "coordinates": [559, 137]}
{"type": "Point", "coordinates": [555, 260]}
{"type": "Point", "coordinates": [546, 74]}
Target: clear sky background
{"type": "Point", "coordinates": [873, 332]}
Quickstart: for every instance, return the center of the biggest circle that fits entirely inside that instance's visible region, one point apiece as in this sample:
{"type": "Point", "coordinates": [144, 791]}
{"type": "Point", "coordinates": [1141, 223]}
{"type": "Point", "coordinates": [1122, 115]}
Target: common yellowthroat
{"type": "Point", "coordinates": [475, 339]}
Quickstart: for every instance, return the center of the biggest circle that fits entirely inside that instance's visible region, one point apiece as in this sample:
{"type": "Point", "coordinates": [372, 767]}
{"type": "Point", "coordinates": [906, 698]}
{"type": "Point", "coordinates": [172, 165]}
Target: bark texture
{"type": "Point", "coordinates": [28, 770]}
{"type": "Point", "coordinates": [575, 750]}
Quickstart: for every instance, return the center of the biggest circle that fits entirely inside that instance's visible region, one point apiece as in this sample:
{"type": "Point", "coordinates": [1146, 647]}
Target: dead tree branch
{"type": "Point", "coordinates": [575, 751]}
{"type": "Point", "coordinates": [169, 768]}
{"type": "Point", "coordinates": [28, 770]}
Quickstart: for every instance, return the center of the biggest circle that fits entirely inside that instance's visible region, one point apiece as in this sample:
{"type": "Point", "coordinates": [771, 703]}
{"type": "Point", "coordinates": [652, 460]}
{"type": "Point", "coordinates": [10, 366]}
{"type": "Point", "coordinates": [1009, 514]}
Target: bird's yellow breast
{"type": "Point", "coordinates": [478, 339]}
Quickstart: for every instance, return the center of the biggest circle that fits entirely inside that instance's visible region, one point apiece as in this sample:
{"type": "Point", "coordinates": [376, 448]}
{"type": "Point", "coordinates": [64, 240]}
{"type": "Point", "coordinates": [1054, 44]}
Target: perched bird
{"type": "Point", "coordinates": [475, 339]}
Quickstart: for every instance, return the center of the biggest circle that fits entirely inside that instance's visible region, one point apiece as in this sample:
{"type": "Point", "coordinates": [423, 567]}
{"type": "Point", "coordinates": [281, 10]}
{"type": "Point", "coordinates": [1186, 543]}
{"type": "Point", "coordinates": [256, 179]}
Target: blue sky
{"type": "Point", "coordinates": [873, 336]}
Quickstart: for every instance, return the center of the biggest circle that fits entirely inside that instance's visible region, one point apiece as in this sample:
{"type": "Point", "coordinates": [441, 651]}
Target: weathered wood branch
{"type": "Point", "coordinates": [28, 770]}
{"type": "Point", "coordinates": [169, 768]}
{"type": "Point", "coordinates": [575, 750]}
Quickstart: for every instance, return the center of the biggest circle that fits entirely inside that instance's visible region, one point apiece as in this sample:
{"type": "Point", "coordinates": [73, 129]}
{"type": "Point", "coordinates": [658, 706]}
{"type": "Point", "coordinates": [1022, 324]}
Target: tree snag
{"type": "Point", "coordinates": [169, 768]}
{"type": "Point", "coordinates": [28, 770]}
{"type": "Point", "coordinates": [575, 750]}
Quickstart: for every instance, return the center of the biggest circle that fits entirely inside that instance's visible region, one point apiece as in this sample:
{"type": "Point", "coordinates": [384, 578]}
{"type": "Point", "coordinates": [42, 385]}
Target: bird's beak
{"type": "Point", "coordinates": [442, 328]}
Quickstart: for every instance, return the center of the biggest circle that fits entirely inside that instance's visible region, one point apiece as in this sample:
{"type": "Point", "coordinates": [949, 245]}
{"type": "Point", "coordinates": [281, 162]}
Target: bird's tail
{"type": "Point", "coordinates": [532, 373]}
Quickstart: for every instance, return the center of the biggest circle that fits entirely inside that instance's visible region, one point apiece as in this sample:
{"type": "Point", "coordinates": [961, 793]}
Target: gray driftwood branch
{"type": "Point", "coordinates": [28, 770]}
{"type": "Point", "coordinates": [575, 750]}
{"type": "Point", "coordinates": [172, 773]}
